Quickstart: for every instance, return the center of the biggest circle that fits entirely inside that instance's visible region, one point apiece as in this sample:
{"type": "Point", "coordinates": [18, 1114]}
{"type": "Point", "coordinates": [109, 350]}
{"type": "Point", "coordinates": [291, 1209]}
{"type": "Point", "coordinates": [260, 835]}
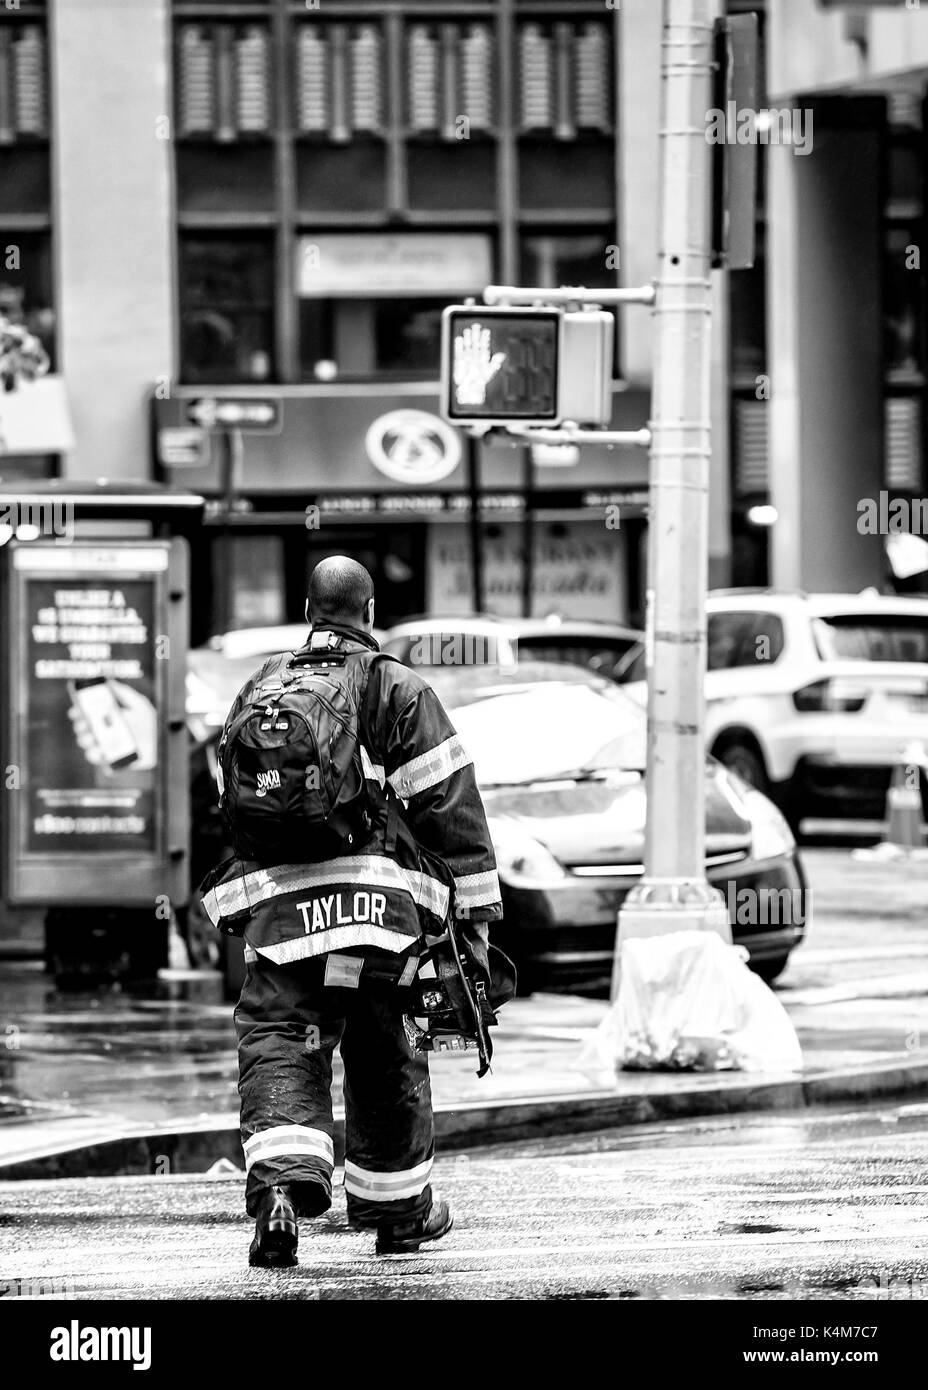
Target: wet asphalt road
{"type": "Point", "coordinates": [772, 1207]}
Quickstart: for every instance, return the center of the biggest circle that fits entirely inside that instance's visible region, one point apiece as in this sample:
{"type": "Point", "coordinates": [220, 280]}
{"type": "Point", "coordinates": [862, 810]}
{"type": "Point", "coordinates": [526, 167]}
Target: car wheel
{"type": "Point", "coordinates": [771, 969]}
{"type": "Point", "coordinates": [747, 762]}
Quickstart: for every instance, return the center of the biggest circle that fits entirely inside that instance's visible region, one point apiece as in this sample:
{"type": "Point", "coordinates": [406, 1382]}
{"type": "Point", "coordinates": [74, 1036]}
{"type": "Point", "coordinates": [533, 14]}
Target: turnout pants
{"type": "Point", "coordinates": [289, 1023]}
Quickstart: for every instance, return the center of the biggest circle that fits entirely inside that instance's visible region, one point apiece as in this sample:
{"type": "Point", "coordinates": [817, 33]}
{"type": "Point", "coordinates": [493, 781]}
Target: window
{"type": "Point", "coordinates": [747, 302]}
{"type": "Point", "coordinates": [761, 640]}
{"type": "Point", "coordinates": [723, 638]}
{"type": "Point", "coordinates": [352, 338]}
{"type": "Point", "coordinates": [450, 70]}
{"type": "Point", "coordinates": [564, 81]}
{"type": "Point", "coordinates": [227, 318]}
{"type": "Point", "coordinates": [903, 328]}
{"type": "Point", "coordinates": [224, 88]}
{"type": "Point", "coordinates": [569, 258]}
{"type": "Point", "coordinates": [872, 637]}
{"type": "Point", "coordinates": [26, 284]}
{"type": "Point", "coordinates": [743, 639]}
{"type": "Point", "coordinates": [386, 120]}
{"type": "Point", "coordinates": [903, 287]}
{"type": "Point", "coordinates": [23, 81]}
{"type": "Point", "coordinates": [407, 336]}
{"type": "Point", "coordinates": [550, 259]}
{"type": "Point", "coordinates": [749, 461]}
{"type": "Point", "coordinates": [26, 289]}
{"type": "Point", "coordinates": [371, 303]}
{"type": "Point", "coordinates": [605, 657]}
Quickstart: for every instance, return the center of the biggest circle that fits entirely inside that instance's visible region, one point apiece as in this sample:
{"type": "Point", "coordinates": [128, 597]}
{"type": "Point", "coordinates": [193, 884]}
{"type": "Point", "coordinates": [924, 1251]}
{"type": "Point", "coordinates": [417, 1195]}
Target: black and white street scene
{"type": "Point", "coordinates": [464, 677]}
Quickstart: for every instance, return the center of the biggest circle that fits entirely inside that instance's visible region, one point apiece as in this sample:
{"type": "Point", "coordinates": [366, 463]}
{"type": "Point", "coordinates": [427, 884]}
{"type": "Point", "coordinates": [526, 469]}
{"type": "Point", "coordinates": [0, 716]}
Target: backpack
{"type": "Point", "coordinates": [290, 776]}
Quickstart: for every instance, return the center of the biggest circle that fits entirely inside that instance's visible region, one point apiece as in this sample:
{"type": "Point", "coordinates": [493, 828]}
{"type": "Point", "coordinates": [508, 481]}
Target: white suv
{"type": "Point", "coordinates": [813, 698]}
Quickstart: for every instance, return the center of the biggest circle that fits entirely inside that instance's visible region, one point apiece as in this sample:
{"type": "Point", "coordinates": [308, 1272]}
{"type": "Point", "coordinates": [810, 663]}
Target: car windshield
{"type": "Point", "coordinates": [872, 637]}
{"type": "Point", "coordinates": [541, 732]}
{"type": "Point", "coordinates": [604, 656]}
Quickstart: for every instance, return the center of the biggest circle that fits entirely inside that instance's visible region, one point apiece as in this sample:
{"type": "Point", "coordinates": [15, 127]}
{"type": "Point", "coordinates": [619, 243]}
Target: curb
{"type": "Point", "coordinates": [192, 1150]}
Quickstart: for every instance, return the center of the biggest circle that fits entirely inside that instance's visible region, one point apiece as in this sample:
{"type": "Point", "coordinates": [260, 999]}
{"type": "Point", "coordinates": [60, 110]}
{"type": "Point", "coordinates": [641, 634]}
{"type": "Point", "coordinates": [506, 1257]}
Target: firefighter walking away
{"type": "Point", "coordinates": [361, 852]}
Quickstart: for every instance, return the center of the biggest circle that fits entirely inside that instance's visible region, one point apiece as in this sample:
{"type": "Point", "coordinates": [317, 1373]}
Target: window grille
{"type": "Point", "coordinates": [902, 443]}
{"type": "Point", "coordinates": [450, 76]}
{"type": "Point", "coordinates": [224, 80]}
{"type": "Point", "coordinates": [565, 78]}
{"type": "Point", "coordinates": [751, 448]}
{"type": "Point", "coordinates": [339, 80]}
{"type": "Point", "coordinates": [252, 61]}
{"type": "Point", "coordinates": [23, 83]}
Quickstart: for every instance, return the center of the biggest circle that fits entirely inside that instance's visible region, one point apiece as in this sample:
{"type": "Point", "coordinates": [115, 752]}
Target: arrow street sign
{"type": "Point", "coordinates": [251, 413]}
{"type": "Point", "coordinates": [183, 447]}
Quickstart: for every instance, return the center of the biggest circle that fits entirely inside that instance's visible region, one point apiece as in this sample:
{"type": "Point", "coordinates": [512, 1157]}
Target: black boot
{"type": "Point", "coordinates": [404, 1234]}
{"type": "Point", "coordinates": [276, 1232]}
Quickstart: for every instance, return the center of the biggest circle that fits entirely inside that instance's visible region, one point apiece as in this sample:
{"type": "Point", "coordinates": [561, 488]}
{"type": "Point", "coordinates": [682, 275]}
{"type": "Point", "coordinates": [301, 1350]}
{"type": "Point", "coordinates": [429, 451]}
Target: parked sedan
{"type": "Point", "coordinates": [559, 755]}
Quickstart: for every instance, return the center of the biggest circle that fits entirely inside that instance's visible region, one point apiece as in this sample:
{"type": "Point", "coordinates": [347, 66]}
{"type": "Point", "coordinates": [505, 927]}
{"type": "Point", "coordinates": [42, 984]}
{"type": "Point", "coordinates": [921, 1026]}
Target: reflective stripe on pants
{"type": "Point", "coordinates": [288, 1024]}
{"type": "Point", "coordinates": [380, 1186]}
{"type": "Point", "coordinates": [281, 1141]}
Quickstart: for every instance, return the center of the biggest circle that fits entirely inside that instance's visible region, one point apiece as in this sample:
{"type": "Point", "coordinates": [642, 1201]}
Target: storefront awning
{"type": "Point", "coordinates": [35, 418]}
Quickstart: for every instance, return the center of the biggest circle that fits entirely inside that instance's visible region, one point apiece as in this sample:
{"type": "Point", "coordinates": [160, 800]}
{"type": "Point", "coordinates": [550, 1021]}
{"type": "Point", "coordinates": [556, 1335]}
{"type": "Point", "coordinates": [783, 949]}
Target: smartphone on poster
{"type": "Point", "coordinates": [97, 702]}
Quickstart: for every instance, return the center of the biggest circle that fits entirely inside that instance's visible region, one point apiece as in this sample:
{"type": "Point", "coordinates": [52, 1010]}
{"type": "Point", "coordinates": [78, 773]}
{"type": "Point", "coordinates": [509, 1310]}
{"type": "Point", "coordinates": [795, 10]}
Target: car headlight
{"type": "Point", "coordinates": [771, 836]}
{"type": "Point", "coordinates": [521, 859]}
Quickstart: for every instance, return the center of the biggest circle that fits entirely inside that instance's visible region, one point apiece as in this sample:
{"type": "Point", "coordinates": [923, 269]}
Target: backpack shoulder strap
{"type": "Point", "coordinates": [273, 667]}
{"type": "Point", "coordinates": [392, 800]}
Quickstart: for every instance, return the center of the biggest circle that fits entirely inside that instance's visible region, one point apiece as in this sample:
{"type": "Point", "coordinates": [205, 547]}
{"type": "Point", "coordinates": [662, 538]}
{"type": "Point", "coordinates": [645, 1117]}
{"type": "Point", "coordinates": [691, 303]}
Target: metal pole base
{"type": "Point", "coordinates": [656, 906]}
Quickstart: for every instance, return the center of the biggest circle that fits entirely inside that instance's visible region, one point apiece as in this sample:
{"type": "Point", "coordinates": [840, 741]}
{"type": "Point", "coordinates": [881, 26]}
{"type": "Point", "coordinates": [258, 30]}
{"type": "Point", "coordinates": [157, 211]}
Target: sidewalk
{"type": "Point", "coordinates": [96, 1084]}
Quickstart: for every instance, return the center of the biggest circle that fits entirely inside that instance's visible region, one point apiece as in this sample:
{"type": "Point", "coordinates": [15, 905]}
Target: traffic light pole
{"type": "Point", "coordinates": [475, 531]}
{"type": "Point", "coordinates": [674, 893]}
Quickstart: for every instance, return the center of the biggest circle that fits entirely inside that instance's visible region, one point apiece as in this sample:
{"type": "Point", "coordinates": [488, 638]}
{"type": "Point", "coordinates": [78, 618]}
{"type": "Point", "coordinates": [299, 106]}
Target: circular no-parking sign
{"type": "Point", "coordinates": [412, 446]}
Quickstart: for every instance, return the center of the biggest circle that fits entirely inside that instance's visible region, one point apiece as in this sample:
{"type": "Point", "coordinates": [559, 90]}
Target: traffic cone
{"type": "Point", "coordinates": [904, 807]}
{"type": "Point", "coordinates": [903, 837]}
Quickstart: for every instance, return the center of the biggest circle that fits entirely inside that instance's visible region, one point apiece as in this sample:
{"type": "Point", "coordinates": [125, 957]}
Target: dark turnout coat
{"type": "Point", "coordinates": [431, 858]}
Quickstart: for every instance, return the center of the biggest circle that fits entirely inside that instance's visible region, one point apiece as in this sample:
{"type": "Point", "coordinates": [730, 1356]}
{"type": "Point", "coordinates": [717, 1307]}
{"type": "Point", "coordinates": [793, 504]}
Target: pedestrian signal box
{"type": "Point", "coordinates": [526, 366]}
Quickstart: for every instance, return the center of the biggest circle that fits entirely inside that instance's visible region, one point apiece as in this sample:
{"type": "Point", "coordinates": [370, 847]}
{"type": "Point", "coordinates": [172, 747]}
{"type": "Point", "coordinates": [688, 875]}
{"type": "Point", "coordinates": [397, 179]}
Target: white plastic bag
{"type": "Point", "coordinates": [688, 1002]}
{"type": "Point", "coordinates": [766, 1039]}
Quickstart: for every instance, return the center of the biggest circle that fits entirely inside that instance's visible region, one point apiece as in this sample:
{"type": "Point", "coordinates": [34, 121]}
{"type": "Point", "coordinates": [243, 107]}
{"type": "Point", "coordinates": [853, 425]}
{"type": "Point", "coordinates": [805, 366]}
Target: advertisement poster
{"type": "Point", "coordinates": [91, 727]}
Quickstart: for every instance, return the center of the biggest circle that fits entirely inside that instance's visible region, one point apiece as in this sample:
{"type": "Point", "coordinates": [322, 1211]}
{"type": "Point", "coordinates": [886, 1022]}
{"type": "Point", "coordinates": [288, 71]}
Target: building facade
{"type": "Point", "coordinates": [845, 287]}
{"type": "Point", "coordinates": [269, 201]}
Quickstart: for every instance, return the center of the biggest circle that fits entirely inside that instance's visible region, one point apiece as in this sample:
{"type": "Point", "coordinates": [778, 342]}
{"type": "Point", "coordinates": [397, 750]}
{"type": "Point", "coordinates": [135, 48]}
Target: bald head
{"type": "Point", "coordinates": [341, 591]}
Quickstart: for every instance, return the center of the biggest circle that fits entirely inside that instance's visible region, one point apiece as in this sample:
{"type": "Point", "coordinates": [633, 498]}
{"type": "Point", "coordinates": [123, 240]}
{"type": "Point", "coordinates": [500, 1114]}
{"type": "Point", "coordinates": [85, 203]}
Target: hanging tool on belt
{"type": "Point", "coordinates": [457, 997]}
